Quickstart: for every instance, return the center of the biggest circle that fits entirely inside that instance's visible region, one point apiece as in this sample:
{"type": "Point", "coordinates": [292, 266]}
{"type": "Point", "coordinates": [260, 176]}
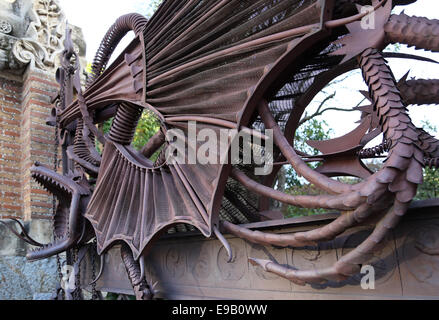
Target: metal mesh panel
{"type": "Point", "coordinates": [202, 61]}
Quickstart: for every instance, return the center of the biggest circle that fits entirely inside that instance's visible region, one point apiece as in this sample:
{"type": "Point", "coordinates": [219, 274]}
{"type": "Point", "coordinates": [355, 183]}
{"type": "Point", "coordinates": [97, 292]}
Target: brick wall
{"type": "Point", "coordinates": [24, 139]}
{"type": "Point", "coordinates": [11, 204]}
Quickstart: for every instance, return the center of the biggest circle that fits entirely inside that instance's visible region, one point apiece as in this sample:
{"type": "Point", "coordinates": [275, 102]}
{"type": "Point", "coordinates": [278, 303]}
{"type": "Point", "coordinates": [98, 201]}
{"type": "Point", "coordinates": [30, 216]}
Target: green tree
{"type": "Point", "coordinates": [429, 189]}
{"type": "Point", "coordinates": [313, 129]}
{"type": "Point", "coordinates": [147, 127]}
{"type": "Point", "coordinates": [154, 5]}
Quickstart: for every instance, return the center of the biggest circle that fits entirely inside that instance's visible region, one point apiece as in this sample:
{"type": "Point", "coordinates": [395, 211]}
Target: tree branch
{"type": "Point", "coordinates": [318, 111]}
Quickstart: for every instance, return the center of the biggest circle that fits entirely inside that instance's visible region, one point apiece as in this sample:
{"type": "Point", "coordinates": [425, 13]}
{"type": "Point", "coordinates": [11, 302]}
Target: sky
{"type": "Point", "coordinates": [347, 91]}
{"type": "Point", "coordinates": [96, 16]}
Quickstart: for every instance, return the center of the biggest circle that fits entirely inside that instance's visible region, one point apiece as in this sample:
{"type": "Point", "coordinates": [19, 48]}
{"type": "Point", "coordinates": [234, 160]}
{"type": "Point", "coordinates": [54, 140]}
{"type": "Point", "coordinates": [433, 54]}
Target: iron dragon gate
{"type": "Point", "coordinates": [244, 65]}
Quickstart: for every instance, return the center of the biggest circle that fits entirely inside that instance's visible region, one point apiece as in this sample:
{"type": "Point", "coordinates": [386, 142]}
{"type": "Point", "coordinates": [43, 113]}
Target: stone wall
{"type": "Point", "coordinates": [20, 279]}
{"type": "Point", "coordinates": [405, 265]}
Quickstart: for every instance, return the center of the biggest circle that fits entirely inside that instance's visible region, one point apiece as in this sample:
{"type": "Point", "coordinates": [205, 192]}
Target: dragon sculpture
{"type": "Point", "coordinates": [245, 65]}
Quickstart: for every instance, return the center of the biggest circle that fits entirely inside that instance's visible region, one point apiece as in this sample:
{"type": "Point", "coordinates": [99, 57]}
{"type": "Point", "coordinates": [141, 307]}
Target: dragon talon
{"type": "Point", "coordinates": [101, 270]}
{"type": "Point", "coordinates": [225, 243]}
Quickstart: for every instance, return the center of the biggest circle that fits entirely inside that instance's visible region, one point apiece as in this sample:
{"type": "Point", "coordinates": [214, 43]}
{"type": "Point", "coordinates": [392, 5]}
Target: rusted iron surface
{"type": "Point", "coordinates": [247, 66]}
{"type": "Point", "coordinates": [413, 31]}
{"type": "Point", "coordinates": [126, 23]}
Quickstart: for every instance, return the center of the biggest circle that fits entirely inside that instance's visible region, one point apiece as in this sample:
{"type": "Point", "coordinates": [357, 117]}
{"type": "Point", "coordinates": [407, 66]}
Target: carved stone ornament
{"type": "Point", "coordinates": [420, 251]}
{"type": "Point", "coordinates": [25, 51]}
{"type": "Point", "coordinates": [5, 27]}
{"type": "Point", "coordinates": [36, 29]}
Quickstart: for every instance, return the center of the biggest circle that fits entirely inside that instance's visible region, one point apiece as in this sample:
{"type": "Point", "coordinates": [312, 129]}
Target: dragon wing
{"type": "Point", "coordinates": [205, 60]}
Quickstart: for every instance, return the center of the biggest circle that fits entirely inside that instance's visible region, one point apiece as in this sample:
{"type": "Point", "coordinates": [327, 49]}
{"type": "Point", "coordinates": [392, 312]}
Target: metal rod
{"type": "Point", "coordinates": [225, 243]}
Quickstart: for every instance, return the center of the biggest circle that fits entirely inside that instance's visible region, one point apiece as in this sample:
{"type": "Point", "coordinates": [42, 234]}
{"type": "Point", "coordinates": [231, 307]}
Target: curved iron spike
{"type": "Point", "coordinates": [153, 289]}
{"type": "Point", "coordinates": [101, 269]}
{"type": "Point", "coordinates": [225, 243]}
{"type": "Point", "coordinates": [23, 235]}
{"type": "Point", "coordinates": [12, 230]}
{"type": "Point", "coordinates": [272, 267]}
{"type": "Point", "coordinates": [142, 271]}
{"type": "Point", "coordinates": [407, 56]}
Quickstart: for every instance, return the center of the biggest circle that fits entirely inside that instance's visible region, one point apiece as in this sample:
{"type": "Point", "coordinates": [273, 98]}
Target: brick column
{"type": "Point", "coordinates": [24, 139]}
{"type": "Point", "coordinates": [37, 138]}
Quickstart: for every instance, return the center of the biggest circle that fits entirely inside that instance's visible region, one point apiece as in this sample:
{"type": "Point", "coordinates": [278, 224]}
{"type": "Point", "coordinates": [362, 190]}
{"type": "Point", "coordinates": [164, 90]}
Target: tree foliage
{"type": "Point", "coordinates": [313, 129]}
{"type": "Point", "coordinates": [154, 5]}
{"type": "Point", "coordinates": [147, 127]}
{"type": "Point", "coordinates": [429, 189]}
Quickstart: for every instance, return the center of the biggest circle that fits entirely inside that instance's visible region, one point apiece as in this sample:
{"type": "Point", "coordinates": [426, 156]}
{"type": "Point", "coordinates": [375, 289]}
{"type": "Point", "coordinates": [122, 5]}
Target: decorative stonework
{"type": "Point", "coordinates": [32, 31]}
{"type": "Point", "coordinates": [5, 27]}
{"type": "Point", "coordinates": [202, 264]}
{"type": "Point", "coordinates": [199, 268]}
{"type": "Point", "coordinates": [261, 252]}
{"type": "Point", "coordinates": [25, 51]}
{"type": "Point", "coordinates": [381, 260]}
{"type": "Point", "coordinates": [420, 250]}
{"type": "Point", "coordinates": [49, 28]}
{"type": "Point", "coordinates": [5, 53]}
{"type": "Point", "coordinates": [175, 263]}
{"type": "Point", "coordinates": [232, 271]}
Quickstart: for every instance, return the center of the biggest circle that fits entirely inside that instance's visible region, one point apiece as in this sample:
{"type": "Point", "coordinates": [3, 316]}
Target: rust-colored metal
{"type": "Point", "coordinates": [126, 23]}
{"type": "Point", "coordinates": [413, 31]}
{"type": "Point", "coordinates": [221, 64]}
{"type": "Point", "coordinates": [141, 288]}
{"type": "Point", "coordinates": [420, 91]}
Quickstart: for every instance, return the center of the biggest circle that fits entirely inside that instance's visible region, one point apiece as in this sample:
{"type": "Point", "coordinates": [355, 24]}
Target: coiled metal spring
{"type": "Point", "coordinates": [432, 163]}
{"type": "Point", "coordinates": [375, 151]}
{"type": "Point", "coordinates": [80, 147]}
{"type": "Point", "coordinates": [125, 122]}
{"type": "Point", "coordinates": [129, 22]}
